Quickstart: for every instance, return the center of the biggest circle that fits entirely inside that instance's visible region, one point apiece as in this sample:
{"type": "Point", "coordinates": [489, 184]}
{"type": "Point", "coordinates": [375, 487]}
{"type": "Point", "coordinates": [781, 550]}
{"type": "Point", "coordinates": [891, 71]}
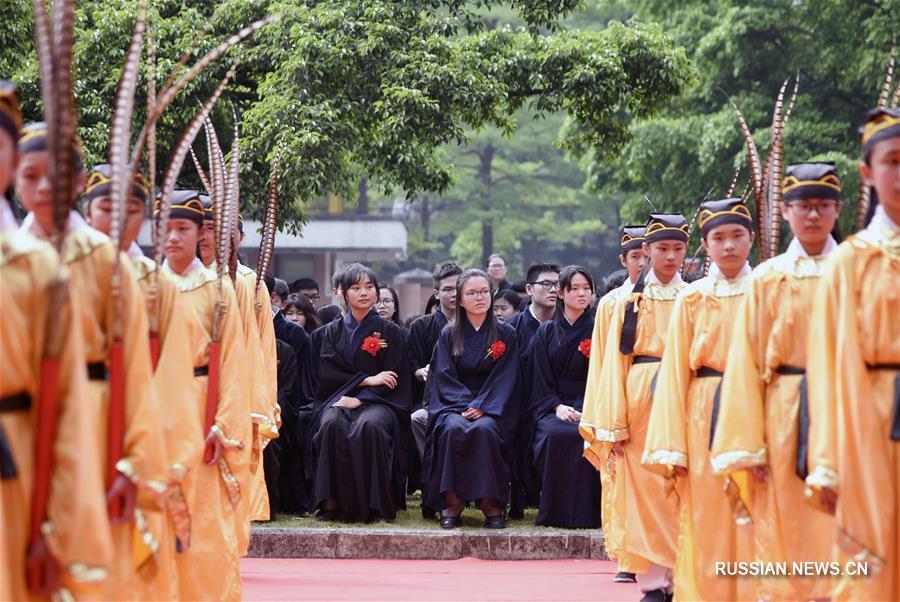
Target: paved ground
{"type": "Point", "coordinates": [433, 580]}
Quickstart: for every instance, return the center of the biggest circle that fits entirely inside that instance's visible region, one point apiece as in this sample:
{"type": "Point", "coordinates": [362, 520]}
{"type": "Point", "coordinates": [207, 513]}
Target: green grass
{"type": "Point", "coordinates": [411, 518]}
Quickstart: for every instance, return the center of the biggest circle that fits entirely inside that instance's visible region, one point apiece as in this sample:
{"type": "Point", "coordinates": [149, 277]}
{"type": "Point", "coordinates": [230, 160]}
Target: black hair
{"type": "Point", "coordinates": [304, 283]}
{"type": "Point", "coordinates": [445, 271]}
{"type": "Point", "coordinates": [457, 328]}
{"type": "Point", "coordinates": [396, 317]}
{"type": "Point", "coordinates": [518, 287]}
{"type": "Point", "coordinates": [281, 289]}
{"type": "Point", "coordinates": [269, 279]}
{"type": "Point", "coordinates": [496, 256]}
{"type": "Point", "coordinates": [353, 273]}
{"type": "Point", "coordinates": [302, 304]}
{"type": "Point", "coordinates": [569, 272]}
{"type": "Point", "coordinates": [613, 281]}
{"type": "Point", "coordinates": [510, 297]}
{"type": "Point", "coordinates": [537, 269]}
{"type": "Point", "coordinates": [338, 273]}
{"type": "Point", "coordinates": [432, 301]}
{"type": "Point", "coordinates": [328, 313]}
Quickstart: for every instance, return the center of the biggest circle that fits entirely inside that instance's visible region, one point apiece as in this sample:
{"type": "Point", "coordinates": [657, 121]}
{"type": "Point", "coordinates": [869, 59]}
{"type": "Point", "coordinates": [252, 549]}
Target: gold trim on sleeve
{"type": "Point", "coordinates": [224, 440]}
{"type": "Point", "coordinates": [664, 457]}
{"type": "Point", "coordinates": [738, 460]}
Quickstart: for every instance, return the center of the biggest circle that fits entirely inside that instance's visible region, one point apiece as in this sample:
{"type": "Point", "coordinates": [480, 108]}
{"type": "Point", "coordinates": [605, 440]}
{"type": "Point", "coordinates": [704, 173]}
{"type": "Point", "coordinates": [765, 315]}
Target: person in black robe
{"type": "Point", "coordinates": [542, 286]}
{"type": "Point", "coordinates": [361, 419]}
{"type": "Point", "coordinates": [569, 485]}
{"type": "Point", "coordinates": [293, 488]}
{"type": "Point", "coordinates": [472, 412]}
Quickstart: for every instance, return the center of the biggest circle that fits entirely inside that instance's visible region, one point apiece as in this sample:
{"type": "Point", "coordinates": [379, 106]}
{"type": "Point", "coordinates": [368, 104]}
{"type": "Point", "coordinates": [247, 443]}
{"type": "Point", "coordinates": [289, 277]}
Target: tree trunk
{"type": "Point", "coordinates": [362, 205]}
{"type": "Point", "coordinates": [485, 177]}
{"type": "Point", "coordinates": [425, 215]}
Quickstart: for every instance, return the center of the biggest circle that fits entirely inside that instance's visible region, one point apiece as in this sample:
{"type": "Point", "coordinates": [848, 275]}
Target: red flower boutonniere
{"type": "Point", "coordinates": [496, 350]}
{"type": "Point", "coordinates": [373, 344]}
{"type": "Point", "coordinates": [584, 347]}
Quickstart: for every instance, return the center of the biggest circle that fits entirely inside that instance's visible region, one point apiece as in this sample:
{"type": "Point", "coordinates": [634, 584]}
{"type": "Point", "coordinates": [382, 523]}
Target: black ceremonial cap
{"type": "Point", "coordinates": [811, 181]}
{"type": "Point", "coordinates": [881, 123]}
{"type": "Point", "coordinates": [99, 183]}
{"type": "Point", "coordinates": [206, 200]}
{"type": "Point", "coordinates": [724, 211]}
{"type": "Point", "coordinates": [632, 238]}
{"type": "Point", "coordinates": [10, 114]}
{"type": "Point", "coordinates": [33, 139]}
{"type": "Point", "coordinates": [185, 204]}
{"type": "Point", "coordinates": [666, 226]}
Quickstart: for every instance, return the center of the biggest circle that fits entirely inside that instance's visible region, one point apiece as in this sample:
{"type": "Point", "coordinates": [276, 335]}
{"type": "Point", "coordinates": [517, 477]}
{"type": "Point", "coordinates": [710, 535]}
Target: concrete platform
{"type": "Point", "coordinates": [411, 544]}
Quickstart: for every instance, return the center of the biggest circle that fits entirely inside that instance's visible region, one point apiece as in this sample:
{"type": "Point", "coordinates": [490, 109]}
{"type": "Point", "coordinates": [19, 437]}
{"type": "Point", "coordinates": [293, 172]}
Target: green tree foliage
{"type": "Point", "coordinates": [747, 49]}
{"type": "Point", "coordinates": [370, 87]}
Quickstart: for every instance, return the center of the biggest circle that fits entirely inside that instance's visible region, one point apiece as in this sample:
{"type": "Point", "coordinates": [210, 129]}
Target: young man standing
{"type": "Point", "coordinates": [423, 336]}
{"type": "Point", "coordinates": [645, 519]}
{"type": "Point", "coordinates": [309, 288]}
{"type": "Point", "coordinates": [632, 257]}
{"type": "Point", "coordinates": [209, 569]}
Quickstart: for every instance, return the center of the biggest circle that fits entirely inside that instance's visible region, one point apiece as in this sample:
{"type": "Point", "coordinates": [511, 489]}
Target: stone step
{"type": "Point", "coordinates": [421, 544]}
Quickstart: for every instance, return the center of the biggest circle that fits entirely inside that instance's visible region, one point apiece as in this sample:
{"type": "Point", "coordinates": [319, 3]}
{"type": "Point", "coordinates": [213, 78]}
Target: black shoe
{"type": "Point", "coordinates": [495, 522]}
{"type": "Point", "coordinates": [657, 595]}
{"type": "Point", "coordinates": [451, 522]}
{"type": "Point", "coordinates": [428, 513]}
{"type": "Point", "coordinates": [327, 515]}
{"type": "Point", "coordinates": [623, 577]}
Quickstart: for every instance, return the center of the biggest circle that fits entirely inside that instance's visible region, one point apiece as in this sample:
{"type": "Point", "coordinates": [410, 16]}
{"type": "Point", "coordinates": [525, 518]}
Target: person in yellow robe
{"type": "Point", "coordinates": [854, 380]}
{"type": "Point", "coordinates": [270, 422]}
{"type": "Point", "coordinates": [70, 554]}
{"type": "Point", "coordinates": [681, 421]}
{"type": "Point", "coordinates": [632, 258]}
{"type": "Point", "coordinates": [759, 412]}
{"type": "Point", "coordinates": [171, 377]}
{"type": "Point", "coordinates": [259, 409]}
{"type": "Point", "coordinates": [91, 260]}
{"type": "Point", "coordinates": [209, 569]}
{"type": "Point", "coordinates": [644, 519]}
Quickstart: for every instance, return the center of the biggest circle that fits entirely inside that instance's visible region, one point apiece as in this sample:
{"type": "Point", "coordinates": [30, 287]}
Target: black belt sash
{"type": "Point", "coordinates": [706, 372]}
{"type": "Point", "coordinates": [12, 403]}
{"type": "Point", "coordinates": [801, 460]}
{"type": "Point", "coordinates": [645, 359]}
{"type": "Point", "coordinates": [96, 371]}
{"type": "Point", "coordinates": [895, 426]}
{"type": "Point", "coordinates": [201, 371]}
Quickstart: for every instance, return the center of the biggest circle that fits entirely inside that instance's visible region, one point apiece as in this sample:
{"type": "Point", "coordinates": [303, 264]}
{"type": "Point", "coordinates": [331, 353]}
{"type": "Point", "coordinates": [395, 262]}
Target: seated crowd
{"type": "Point", "coordinates": [475, 402]}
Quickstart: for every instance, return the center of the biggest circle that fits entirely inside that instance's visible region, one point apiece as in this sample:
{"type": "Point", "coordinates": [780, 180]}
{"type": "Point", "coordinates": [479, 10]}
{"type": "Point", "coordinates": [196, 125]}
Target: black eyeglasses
{"type": "Point", "coordinates": [548, 284]}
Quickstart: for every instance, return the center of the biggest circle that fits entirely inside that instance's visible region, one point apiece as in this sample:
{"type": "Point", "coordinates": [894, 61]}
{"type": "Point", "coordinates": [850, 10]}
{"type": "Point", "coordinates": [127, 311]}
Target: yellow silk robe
{"type": "Point", "coordinates": [183, 431]}
{"type": "Point", "coordinates": [90, 258]}
{"type": "Point", "coordinates": [853, 375]}
{"type": "Point", "coordinates": [678, 435]}
{"type": "Point", "coordinates": [209, 569]}
{"type": "Point", "coordinates": [758, 416]}
{"type": "Point", "coordinates": [267, 420]}
{"type": "Point", "coordinates": [644, 520]}
{"type": "Point", "coordinates": [596, 451]}
{"type": "Point", "coordinates": [257, 405]}
{"type": "Point", "coordinates": [76, 506]}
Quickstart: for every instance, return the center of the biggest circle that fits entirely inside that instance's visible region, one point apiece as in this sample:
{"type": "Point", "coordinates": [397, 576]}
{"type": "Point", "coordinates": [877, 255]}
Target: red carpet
{"type": "Point", "coordinates": [450, 580]}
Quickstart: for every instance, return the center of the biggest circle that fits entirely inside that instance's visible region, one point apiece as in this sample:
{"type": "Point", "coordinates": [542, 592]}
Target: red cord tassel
{"type": "Point", "coordinates": [154, 349]}
{"type": "Point", "coordinates": [116, 427]}
{"type": "Point", "coordinates": [212, 395]}
{"type": "Point", "coordinates": [47, 414]}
